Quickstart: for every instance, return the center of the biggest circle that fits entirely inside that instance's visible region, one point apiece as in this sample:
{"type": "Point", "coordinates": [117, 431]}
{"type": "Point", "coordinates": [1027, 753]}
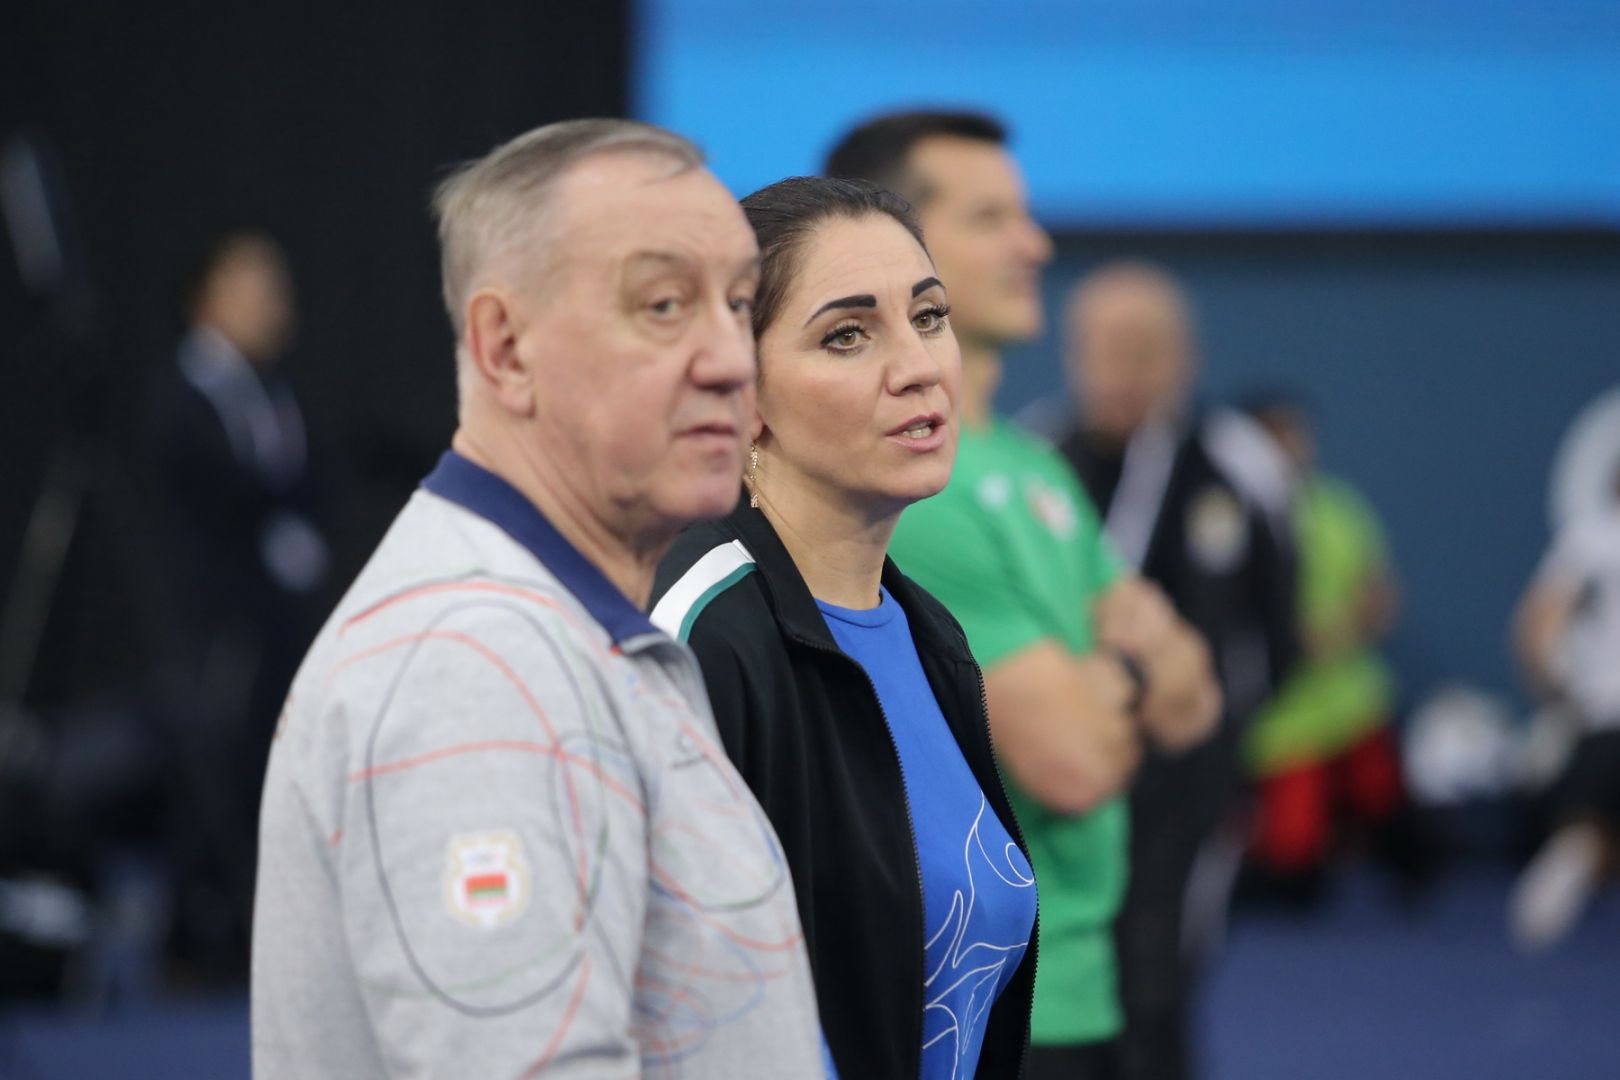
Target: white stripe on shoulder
{"type": "Point", "coordinates": [1251, 459]}
{"type": "Point", "coordinates": [695, 588]}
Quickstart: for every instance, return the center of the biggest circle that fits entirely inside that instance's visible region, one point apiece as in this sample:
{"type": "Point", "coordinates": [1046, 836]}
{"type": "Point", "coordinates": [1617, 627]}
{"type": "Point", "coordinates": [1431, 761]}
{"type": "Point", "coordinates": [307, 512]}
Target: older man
{"type": "Point", "coordinates": [499, 838]}
{"type": "Point", "coordinates": [1084, 662]}
{"type": "Point", "coordinates": [1197, 500]}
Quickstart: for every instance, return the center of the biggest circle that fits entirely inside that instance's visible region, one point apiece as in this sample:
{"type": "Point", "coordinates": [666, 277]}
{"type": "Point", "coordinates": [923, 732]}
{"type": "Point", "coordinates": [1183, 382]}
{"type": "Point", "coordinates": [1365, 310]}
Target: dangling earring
{"type": "Point", "coordinates": [753, 476]}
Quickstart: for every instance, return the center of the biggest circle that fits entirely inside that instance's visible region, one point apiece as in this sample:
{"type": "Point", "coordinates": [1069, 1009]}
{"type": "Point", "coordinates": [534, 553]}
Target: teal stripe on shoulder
{"type": "Point", "coordinates": [708, 595]}
{"type": "Point", "coordinates": [714, 573]}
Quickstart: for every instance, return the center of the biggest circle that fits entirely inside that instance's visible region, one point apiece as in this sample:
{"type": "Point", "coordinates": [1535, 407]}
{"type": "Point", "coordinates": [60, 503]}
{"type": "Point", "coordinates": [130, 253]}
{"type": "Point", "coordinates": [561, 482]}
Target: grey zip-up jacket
{"type": "Point", "coordinates": [500, 837]}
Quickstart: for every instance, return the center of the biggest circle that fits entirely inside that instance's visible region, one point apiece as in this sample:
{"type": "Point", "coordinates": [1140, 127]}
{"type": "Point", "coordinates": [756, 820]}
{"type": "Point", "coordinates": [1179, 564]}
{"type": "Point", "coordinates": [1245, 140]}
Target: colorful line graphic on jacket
{"type": "Point", "coordinates": [677, 1001]}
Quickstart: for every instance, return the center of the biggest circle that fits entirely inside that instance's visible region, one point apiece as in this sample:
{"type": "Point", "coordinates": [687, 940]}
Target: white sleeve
{"type": "Point", "coordinates": [1575, 552]}
{"type": "Point", "coordinates": [1251, 460]}
{"type": "Point", "coordinates": [1583, 474]}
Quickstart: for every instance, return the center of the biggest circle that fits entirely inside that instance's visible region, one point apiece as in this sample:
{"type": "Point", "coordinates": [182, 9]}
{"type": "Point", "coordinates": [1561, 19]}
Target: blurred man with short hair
{"type": "Point", "coordinates": [238, 554]}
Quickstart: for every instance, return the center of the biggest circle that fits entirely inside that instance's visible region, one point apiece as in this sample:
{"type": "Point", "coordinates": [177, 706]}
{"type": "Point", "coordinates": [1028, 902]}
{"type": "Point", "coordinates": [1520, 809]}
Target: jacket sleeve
{"type": "Point", "coordinates": [493, 866]}
{"type": "Point", "coordinates": [1274, 572]}
{"type": "Point", "coordinates": [732, 693]}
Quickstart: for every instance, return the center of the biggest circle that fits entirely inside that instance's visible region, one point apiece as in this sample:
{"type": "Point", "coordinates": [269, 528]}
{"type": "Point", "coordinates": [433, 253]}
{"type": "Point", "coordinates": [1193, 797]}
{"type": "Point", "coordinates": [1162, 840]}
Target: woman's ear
{"type": "Point", "coordinates": [757, 429]}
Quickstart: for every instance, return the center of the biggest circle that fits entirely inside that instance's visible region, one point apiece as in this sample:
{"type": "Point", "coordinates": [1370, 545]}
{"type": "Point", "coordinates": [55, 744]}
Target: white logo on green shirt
{"type": "Point", "coordinates": [1053, 509]}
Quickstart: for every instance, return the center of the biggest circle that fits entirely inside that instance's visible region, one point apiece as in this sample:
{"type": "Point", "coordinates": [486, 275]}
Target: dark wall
{"type": "Point", "coordinates": [327, 122]}
{"type": "Point", "coordinates": [1444, 369]}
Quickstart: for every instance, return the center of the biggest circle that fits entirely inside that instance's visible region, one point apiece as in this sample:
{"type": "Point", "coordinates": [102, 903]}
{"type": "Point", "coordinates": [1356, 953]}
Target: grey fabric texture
{"type": "Point", "coordinates": [493, 844]}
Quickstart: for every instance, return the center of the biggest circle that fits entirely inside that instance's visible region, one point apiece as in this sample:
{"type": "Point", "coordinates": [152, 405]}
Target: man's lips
{"type": "Point", "coordinates": [717, 428]}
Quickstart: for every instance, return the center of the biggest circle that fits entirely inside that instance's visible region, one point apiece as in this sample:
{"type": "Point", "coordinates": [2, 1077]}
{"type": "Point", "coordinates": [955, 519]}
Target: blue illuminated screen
{"type": "Point", "coordinates": [1158, 114]}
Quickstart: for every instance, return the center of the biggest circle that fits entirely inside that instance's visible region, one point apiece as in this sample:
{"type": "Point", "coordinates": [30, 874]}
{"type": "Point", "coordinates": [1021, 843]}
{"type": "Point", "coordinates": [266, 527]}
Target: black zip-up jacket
{"type": "Point", "coordinates": [803, 724]}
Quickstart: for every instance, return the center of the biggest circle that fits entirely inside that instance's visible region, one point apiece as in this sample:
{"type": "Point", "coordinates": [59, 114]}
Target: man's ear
{"type": "Point", "coordinates": [493, 329]}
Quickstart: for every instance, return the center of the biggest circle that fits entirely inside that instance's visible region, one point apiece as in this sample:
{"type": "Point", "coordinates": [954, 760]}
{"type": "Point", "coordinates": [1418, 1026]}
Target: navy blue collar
{"type": "Point", "coordinates": [477, 489]}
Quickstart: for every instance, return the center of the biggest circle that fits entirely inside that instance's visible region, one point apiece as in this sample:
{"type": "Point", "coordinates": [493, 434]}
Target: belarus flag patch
{"type": "Point", "coordinates": [487, 882]}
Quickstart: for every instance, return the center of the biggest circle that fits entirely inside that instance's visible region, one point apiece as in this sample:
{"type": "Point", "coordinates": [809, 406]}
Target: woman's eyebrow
{"type": "Point", "coordinates": [924, 285]}
{"type": "Point", "coordinates": [864, 300]}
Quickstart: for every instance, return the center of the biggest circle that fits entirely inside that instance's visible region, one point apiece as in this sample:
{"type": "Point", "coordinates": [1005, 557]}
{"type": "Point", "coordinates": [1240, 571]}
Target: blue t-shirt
{"type": "Point", "coordinates": [978, 889]}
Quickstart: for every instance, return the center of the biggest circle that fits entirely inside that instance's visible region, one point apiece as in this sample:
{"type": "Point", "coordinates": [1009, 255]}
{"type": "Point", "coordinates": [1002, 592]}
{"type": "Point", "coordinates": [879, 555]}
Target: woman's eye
{"type": "Point", "coordinates": [664, 307]}
{"type": "Point", "coordinates": [743, 305]}
{"type": "Point", "coordinates": [844, 337]}
{"type": "Point", "coordinates": [930, 320]}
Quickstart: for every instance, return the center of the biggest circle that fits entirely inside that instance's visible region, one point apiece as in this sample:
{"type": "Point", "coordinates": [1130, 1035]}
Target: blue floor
{"type": "Point", "coordinates": [181, 1041]}
{"type": "Point", "coordinates": [1358, 991]}
{"type": "Point", "coordinates": [1364, 990]}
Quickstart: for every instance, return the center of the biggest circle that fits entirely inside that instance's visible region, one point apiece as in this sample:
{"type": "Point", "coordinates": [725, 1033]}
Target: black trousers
{"type": "Point", "coordinates": [1176, 805]}
{"type": "Point", "coordinates": [1591, 783]}
{"type": "Point", "coordinates": [1086, 1061]}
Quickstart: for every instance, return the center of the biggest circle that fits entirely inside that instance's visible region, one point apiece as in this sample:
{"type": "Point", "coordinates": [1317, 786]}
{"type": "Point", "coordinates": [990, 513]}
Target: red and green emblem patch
{"type": "Point", "coordinates": [487, 882]}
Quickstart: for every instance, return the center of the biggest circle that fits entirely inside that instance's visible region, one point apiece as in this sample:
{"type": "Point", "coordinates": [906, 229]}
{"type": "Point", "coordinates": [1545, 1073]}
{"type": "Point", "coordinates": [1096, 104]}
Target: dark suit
{"type": "Point", "coordinates": [235, 558]}
{"type": "Point", "coordinates": [1178, 505]}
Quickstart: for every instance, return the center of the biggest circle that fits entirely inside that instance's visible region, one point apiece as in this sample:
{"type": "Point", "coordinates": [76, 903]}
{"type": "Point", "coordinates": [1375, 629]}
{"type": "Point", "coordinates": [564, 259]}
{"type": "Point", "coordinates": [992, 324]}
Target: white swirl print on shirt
{"type": "Point", "coordinates": [967, 960]}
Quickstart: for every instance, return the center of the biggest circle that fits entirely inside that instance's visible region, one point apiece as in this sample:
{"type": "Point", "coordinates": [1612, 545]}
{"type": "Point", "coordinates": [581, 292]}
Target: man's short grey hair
{"type": "Point", "coordinates": [486, 206]}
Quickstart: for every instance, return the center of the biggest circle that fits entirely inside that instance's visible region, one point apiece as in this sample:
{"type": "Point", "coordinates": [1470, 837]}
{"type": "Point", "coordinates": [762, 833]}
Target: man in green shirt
{"type": "Point", "coordinates": [1082, 659]}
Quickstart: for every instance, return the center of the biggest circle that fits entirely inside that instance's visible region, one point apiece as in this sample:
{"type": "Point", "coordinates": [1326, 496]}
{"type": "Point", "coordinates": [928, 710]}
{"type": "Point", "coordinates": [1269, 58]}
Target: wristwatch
{"type": "Point", "coordinates": [1138, 676]}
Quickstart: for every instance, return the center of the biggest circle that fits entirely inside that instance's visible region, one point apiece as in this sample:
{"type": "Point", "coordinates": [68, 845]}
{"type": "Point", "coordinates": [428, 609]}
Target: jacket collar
{"type": "Point", "coordinates": [477, 489]}
{"type": "Point", "coordinates": [796, 609]}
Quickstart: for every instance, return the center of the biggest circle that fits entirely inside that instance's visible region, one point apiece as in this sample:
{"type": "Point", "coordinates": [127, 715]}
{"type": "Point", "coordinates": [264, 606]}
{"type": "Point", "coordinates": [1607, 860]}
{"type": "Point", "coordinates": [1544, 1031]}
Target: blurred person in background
{"type": "Point", "coordinates": [846, 694]}
{"type": "Point", "coordinates": [1084, 662]}
{"type": "Point", "coordinates": [1197, 501]}
{"type": "Point", "coordinates": [1567, 633]}
{"type": "Point", "coordinates": [499, 834]}
{"type": "Point", "coordinates": [1587, 458]}
{"type": "Point", "coordinates": [238, 556]}
{"type": "Point", "coordinates": [1323, 751]}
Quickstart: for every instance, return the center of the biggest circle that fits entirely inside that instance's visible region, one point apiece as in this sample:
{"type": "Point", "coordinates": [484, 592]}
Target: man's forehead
{"type": "Point", "coordinates": [1134, 301]}
{"type": "Point", "coordinates": [626, 208]}
{"type": "Point", "coordinates": [953, 165]}
{"type": "Point", "coordinates": [654, 262]}
{"type": "Point", "coordinates": [611, 173]}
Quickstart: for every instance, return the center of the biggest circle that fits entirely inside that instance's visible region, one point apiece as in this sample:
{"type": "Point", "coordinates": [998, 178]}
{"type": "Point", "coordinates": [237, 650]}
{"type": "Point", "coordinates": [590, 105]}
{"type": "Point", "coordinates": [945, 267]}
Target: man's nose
{"type": "Point", "coordinates": [1036, 242]}
{"type": "Point", "coordinates": [725, 358]}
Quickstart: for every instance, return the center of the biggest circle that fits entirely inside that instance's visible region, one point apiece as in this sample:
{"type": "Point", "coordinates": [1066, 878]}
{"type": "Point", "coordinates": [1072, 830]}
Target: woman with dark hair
{"type": "Point", "coordinates": [846, 694]}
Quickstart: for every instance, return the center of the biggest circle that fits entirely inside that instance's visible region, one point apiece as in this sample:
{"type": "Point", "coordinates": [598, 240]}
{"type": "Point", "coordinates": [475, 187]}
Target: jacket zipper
{"type": "Point", "coordinates": [1018, 834]}
{"type": "Point", "coordinates": [911, 831]}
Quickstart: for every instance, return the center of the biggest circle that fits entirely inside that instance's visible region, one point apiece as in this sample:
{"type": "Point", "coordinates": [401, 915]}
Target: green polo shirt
{"type": "Point", "coordinates": [1014, 549]}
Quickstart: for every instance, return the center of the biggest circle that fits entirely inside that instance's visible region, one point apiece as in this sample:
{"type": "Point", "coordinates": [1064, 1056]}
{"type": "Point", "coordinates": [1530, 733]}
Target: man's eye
{"type": "Point", "coordinates": [665, 307]}
{"type": "Point", "coordinates": [743, 305]}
